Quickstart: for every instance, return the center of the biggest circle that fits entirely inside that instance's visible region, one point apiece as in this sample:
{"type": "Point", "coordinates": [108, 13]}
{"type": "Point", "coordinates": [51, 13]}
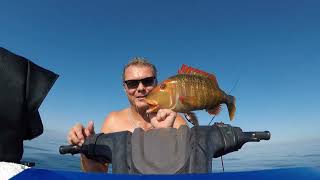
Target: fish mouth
{"type": "Point", "coordinates": [153, 105]}
{"type": "Point", "coordinates": [151, 102]}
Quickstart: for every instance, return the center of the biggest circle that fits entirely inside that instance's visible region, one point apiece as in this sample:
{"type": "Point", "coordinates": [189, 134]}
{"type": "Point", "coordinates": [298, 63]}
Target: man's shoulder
{"type": "Point", "coordinates": [117, 114]}
{"type": "Point", "coordinates": [115, 121]}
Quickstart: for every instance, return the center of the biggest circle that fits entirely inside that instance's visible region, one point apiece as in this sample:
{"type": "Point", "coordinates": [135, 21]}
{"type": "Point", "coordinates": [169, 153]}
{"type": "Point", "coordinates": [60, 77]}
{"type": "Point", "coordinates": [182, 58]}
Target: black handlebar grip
{"type": "Point", "coordinates": [69, 149]}
{"type": "Point", "coordinates": [260, 135]}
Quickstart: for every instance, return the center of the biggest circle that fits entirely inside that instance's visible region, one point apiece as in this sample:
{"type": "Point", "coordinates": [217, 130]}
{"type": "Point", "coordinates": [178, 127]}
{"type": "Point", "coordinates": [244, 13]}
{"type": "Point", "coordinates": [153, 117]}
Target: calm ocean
{"type": "Point", "coordinates": [253, 156]}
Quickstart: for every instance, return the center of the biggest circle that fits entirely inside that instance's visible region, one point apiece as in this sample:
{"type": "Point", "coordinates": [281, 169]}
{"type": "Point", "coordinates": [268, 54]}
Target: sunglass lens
{"type": "Point", "coordinates": [132, 84]}
{"type": "Point", "coordinates": [148, 81]}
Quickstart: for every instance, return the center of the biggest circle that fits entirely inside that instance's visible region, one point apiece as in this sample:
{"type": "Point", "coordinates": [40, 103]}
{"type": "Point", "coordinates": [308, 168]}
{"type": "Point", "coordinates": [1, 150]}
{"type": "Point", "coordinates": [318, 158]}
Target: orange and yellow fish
{"type": "Point", "coordinates": [191, 89]}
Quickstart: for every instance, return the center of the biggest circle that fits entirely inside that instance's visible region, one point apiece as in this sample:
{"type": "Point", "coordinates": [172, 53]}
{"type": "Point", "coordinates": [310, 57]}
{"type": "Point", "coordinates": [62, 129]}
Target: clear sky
{"type": "Point", "coordinates": [272, 48]}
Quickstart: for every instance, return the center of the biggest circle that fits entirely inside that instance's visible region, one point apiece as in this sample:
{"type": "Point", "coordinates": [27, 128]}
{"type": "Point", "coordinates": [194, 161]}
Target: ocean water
{"type": "Point", "coordinates": [252, 156]}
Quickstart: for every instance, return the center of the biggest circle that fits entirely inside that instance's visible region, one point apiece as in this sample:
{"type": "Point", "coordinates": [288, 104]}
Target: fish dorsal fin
{"type": "Point", "coordinates": [190, 70]}
{"type": "Point", "coordinates": [215, 110]}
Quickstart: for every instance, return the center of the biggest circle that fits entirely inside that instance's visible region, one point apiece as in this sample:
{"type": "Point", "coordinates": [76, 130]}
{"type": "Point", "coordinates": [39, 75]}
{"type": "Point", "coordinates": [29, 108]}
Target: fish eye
{"type": "Point", "coordinates": [162, 86]}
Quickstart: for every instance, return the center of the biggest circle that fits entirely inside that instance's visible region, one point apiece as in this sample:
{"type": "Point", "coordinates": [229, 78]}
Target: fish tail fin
{"type": "Point", "coordinates": [231, 104]}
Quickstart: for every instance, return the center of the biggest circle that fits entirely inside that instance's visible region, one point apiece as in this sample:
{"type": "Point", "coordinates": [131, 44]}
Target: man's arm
{"type": "Point", "coordinates": [88, 165]}
{"type": "Point", "coordinates": [77, 136]}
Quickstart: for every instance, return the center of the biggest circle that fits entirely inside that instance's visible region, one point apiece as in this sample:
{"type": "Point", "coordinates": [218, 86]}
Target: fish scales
{"type": "Point", "coordinates": [199, 87]}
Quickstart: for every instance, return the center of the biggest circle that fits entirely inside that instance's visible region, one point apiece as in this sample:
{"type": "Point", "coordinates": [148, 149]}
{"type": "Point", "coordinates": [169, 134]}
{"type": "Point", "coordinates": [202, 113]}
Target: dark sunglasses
{"type": "Point", "coordinates": [133, 84]}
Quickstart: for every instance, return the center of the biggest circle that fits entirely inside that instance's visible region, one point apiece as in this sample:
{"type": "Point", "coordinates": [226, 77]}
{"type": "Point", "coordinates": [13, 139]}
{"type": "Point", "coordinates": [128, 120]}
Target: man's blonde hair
{"type": "Point", "coordinates": [139, 61]}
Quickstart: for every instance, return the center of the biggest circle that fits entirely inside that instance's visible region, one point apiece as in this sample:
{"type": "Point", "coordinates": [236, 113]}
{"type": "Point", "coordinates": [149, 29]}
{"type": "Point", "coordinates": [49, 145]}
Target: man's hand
{"type": "Point", "coordinates": [78, 133]}
{"type": "Point", "coordinates": [164, 118]}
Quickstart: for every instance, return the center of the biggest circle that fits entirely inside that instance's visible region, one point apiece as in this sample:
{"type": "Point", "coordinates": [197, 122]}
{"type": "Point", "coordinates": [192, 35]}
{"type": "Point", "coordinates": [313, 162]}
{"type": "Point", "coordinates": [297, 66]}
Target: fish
{"type": "Point", "coordinates": [190, 90]}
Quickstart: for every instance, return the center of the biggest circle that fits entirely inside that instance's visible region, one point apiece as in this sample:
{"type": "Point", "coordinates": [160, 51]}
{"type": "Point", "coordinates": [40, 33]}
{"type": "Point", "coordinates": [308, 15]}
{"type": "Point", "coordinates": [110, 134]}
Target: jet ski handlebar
{"type": "Point", "coordinates": [257, 135]}
{"type": "Point", "coordinates": [191, 148]}
{"type": "Point", "coordinates": [69, 149]}
{"type": "Point", "coordinates": [225, 136]}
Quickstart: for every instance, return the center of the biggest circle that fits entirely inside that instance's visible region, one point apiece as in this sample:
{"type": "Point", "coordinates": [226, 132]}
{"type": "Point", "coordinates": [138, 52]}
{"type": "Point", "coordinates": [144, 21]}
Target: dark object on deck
{"type": "Point", "coordinates": [23, 87]}
{"type": "Point", "coordinates": [165, 151]}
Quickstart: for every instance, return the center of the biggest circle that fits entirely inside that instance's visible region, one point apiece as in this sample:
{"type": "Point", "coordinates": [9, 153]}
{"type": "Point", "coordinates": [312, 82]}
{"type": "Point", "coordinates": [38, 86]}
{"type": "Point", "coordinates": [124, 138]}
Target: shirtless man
{"type": "Point", "coordinates": [139, 78]}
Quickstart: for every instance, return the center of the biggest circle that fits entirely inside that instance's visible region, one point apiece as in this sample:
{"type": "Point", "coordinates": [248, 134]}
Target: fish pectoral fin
{"type": "Point", "coordinates": [215, 110]}
{"type": "Point", "coordinates": [192, 118]}
{"type": "Point", "coordinates": [188, 100]}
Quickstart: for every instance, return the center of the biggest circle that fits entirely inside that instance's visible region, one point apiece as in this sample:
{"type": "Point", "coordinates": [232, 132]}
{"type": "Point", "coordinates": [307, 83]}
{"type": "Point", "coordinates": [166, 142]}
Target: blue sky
{"type": "Point", "coordinates": [271, 48]}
